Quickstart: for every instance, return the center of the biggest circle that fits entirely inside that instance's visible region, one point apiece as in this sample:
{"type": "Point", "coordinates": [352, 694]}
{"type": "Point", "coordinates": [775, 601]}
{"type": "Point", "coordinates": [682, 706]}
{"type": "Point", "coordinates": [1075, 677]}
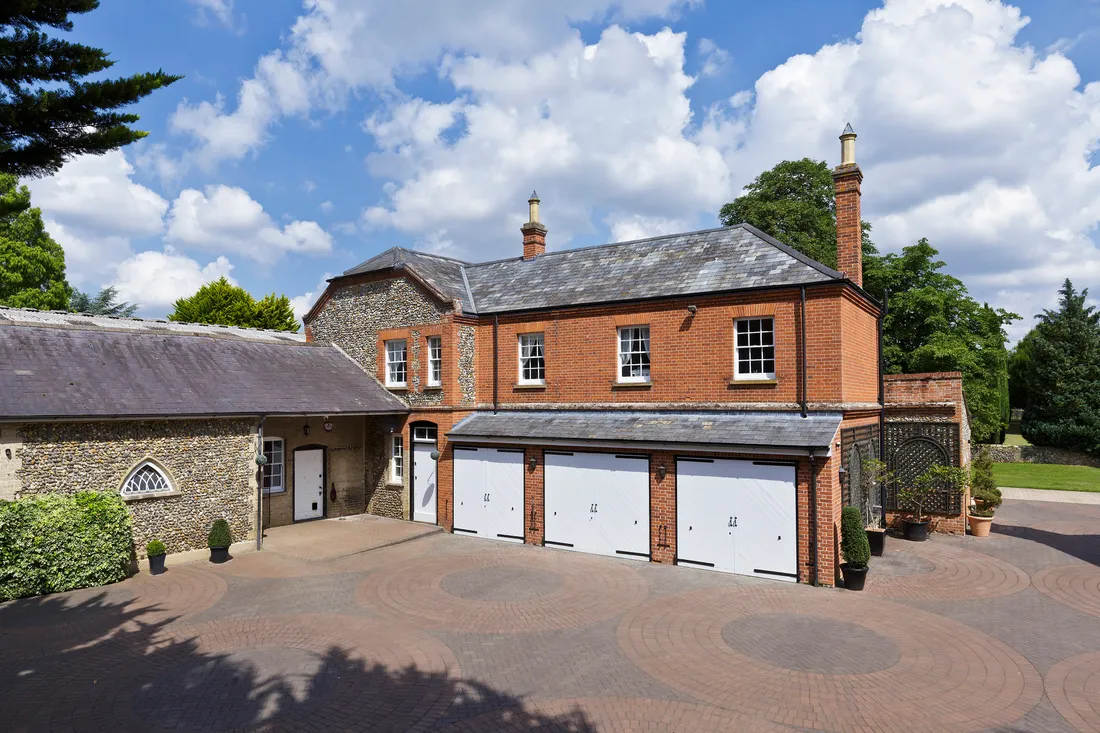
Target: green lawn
{"type": "Point", "coordinates": [1015, 439]}
{"type": "Point", "coordinates": [1044, 476]}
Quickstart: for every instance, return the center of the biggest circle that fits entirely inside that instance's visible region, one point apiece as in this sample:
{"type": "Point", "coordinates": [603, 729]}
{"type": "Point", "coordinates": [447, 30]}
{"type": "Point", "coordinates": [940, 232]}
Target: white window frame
{"type": "Point", "coordinates": [281, 488]}
{"type": "Point", "coordinates": [540, 339]}
{"type": "Point", "coordinates": [435, 361]}
{"type": "Point", "coordinates": [397, 459]}
{"type": "Point", "coordinates": [129, 491]}
{"type": "Point", "coordinates": [737, 348]}
{"type": "Point", "coordinates": [425, 434]}
{"type": "Point", "coordinates": [644, 336]}
{"type": "Point", "coordinates": [393, 364]}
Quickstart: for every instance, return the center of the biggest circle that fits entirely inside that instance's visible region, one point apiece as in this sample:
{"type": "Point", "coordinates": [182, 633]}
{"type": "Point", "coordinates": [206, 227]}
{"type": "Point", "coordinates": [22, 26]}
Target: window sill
{"type": "Point", "coordinates": [395, 484]}
{"type": "Point", "coordinates": [735, 382]}
{"type": "Point", "coordinates": [397, 387]}
{"type": "Point", "coordinates": [274, 492]}
{"type": "Point", "coordinates": [529, 385]}
{"type": "Point", "coordinates": [632, 385]}
{"type": "Point", "coordinates": [433, 388]}
{"type": "Point", "coordinates": [159, 495]}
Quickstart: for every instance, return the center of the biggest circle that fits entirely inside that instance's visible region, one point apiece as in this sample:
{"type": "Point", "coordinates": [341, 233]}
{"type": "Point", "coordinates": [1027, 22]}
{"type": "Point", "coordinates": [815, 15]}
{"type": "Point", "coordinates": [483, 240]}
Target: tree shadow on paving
{"type": "Point", "coordinates": [1082, 546]}
{"type": "Point", "coordinates": [97, 664]}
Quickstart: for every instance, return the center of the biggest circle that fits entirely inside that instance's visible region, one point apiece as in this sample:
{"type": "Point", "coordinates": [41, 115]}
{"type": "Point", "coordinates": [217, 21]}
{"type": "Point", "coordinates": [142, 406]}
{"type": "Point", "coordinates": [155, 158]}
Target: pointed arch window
{"type": "Point", "coordinates": [148, 479]}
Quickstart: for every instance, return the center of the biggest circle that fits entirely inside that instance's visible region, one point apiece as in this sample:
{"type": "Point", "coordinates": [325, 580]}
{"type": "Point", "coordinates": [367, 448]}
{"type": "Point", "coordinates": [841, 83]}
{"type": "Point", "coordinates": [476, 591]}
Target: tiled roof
{"type": "Point", "coordinates": [745, 429]}
{"type": "Point", "coordinates": [59, 372]}
{"type": "Point", "coordinates": [713, 260]}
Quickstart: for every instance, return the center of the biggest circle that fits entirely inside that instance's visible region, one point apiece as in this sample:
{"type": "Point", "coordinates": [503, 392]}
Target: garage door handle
{"type": "Point", "coordinates": [733, 522]}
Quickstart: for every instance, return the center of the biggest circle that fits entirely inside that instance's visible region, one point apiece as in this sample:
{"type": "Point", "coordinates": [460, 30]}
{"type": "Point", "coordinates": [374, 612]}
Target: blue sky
{"type": "Point", "coordinates": [306, 138]}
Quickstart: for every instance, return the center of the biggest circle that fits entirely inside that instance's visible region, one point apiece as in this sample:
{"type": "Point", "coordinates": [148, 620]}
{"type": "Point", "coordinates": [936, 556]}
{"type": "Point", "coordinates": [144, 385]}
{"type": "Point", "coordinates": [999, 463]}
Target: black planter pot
{"type": "Point", "coordinates": [916, 531]}
{"type": "Point", "coordinates": [877, 539]}
{"type": "Point", "coordinates": [156, 564]}
{"type": "Point", "coordinates": [219, 554]}
{"type": "Point", "coordinates": [854, 578]}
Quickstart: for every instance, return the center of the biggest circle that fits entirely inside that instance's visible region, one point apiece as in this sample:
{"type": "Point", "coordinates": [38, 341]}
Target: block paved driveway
{"type": "Point", "coordinates": [445, 633]}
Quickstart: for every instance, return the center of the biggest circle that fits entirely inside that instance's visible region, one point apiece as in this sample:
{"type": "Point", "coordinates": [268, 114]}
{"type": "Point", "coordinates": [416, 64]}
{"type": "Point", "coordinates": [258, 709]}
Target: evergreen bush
{"type": "Point", "coordinates": [156, 547]}
{"type": "Point", "coordinates": [55, 543]}
{"type": "Point", "coordinates": [853, 538]}
{"type": "Point", "coordinates": [219, 534]}
{"type": "Point", "coordinates": [983, 488]}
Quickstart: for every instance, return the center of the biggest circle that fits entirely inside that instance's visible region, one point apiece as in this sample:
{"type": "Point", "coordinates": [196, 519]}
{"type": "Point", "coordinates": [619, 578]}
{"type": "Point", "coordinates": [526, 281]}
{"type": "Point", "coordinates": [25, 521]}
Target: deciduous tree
{"type": "Point", "coordinates": [32, 264]}
{"type": "Point", "coordinates": [226, 304]}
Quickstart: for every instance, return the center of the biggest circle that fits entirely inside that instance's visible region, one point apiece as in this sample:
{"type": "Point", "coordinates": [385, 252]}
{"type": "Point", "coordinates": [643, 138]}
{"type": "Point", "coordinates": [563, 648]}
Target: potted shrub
{"type": "Point", "coordinates": [985, 497]}
{"type": "Point", "coordinates": [856, 548]}
{"type": "Point", "coordinates": [936, 480]}
{"type": "Point", "coordinates": [879, 475]}
{"type": "Point", "coordinates": [219, 541]}
{"type": "Point", "coordinates": [156, 551]}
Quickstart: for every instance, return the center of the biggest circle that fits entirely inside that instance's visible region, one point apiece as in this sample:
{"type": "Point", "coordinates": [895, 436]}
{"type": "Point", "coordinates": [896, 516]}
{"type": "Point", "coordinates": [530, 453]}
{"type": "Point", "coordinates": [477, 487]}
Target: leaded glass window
{"type": "Point", "coordinates": [532, 361]}
{"type": "Point", "coordinates": [755, 348]}
{"type": "Point", "coordinates": [634, 354]}
{"type": "Point", "coordinates": [146, 480]}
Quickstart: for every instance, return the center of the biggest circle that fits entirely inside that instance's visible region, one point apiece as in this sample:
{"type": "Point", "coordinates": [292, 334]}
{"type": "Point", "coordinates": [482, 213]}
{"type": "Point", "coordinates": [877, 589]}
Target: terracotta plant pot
{"type": "Point", "coordinates": [916, 531]}
{"type": "Point", "coordinates": [156, 564]}
{"type": "Point", "coordinates": [979, 526]}
{"type": "Point", "coordinates": [877, 540]}
{"type": "Point", "coordinates": [219, 554]}
{"type": "Point", "coordinates": [854, 578]}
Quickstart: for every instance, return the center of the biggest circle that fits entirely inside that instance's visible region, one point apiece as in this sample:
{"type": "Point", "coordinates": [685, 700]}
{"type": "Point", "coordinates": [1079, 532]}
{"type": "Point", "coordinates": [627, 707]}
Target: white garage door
{"type": "Point", "coordinates": [737, 517]}
{"type": "Point", "coordinates": [598, 503]}
{"type": "Point", "coordinates": [488, 496]}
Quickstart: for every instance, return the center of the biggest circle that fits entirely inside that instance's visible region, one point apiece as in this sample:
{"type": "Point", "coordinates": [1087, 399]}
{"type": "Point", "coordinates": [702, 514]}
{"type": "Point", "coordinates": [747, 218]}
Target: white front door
{"type": "Point", "coordinates": [598, 503]}
{"type": "Point", "coordinates": [737, 517]}
{"type": "Point", "coordinates": [424, 484]}
{"type": "Point", "coordinates": [309, 484]}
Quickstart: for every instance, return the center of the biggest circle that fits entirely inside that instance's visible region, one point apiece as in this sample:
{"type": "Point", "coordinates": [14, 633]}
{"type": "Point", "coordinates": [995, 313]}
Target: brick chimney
{"type": "Point", "coordinates": [847, 178]}
{"type": "Point", "coordinates": [534, 233]}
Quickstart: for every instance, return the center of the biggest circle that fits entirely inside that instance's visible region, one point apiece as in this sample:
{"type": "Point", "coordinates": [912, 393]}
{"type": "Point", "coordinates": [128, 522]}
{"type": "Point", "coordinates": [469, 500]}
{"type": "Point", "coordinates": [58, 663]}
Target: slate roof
{"type": "Point", "coordinates": [55, 372]}
{"type": "Point", "coordinates": [746, 429]}
{"type": "Point", "coordinates": [713, 260]}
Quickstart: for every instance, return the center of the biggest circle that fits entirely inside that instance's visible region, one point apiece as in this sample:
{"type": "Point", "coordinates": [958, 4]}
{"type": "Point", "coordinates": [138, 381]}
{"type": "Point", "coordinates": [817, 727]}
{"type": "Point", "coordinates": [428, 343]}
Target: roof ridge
{"type": "Point", "coordinates": [134, 319]}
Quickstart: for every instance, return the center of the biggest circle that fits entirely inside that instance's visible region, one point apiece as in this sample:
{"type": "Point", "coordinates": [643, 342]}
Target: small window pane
{"type": "Point", "coordinates": [273, 469]}
{"type": "Point", "coordinates": [755, 348]}
{"type": "Point", "coordinates": [634, 354]}
{"type": "Point", "coordinates": [435, 361]}
{"type": "Point", "coordinates": [397, 459]}
{"type": "Point", "coordinates": [396, 370]}
{"type": "Point", "coordinates": [532, 361]}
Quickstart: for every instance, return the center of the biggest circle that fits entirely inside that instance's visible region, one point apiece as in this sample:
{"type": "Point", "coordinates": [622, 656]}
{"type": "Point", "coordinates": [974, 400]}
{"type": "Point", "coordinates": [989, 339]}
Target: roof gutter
{"type": "Point", "coordinates": [580, 443]}
{"type": "Point", "coordinates": [193, 416]}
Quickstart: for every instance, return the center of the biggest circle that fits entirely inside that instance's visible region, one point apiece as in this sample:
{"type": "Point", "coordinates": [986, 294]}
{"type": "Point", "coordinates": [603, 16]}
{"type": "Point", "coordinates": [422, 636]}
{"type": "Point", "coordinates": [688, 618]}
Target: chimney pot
{"type": "Point", "coordinates": [534, 233]}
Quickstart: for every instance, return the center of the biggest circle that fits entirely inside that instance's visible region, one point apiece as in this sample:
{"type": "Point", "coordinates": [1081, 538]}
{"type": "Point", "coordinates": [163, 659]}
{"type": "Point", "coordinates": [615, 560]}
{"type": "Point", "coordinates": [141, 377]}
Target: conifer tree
{"type": "Point", "coordinates": [48, 112]}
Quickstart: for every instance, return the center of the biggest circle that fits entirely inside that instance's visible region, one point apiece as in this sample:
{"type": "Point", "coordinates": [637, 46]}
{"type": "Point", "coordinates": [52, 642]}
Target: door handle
{"type": "Point", "coordinates": [733, 522]}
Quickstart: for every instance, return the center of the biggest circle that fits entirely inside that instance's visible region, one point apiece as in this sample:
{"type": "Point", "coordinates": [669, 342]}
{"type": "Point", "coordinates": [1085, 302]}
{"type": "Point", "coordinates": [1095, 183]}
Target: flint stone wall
{"type": "Point", "coordinates": [1036, 454]}
{"type": "Point", "coordinates": [210, 464]}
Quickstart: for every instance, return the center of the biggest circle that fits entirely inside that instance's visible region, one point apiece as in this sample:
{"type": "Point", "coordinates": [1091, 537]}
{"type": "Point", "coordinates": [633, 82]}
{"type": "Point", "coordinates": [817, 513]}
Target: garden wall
{"type": "Point", "coordinates": [1036, 454]}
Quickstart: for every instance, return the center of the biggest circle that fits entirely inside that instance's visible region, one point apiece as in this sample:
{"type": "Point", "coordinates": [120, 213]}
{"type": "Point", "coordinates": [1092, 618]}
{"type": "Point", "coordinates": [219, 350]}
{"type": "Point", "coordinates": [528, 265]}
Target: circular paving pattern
{"type": "Point", "coordinates": [1076, 585]}
{"type": "Point", "coordinates": [613, 715]}
{"type": "Point", "coordinates": [588, 589]}
{"type": "Point", "coordinates": [1073, 686]}
{"type": "Point", "coordinates": [947, 675]}
{"type": "Point", "coordinates": [308, 671]}
{"type": "Point", "coordinates": [937, 572]}
{"type": "Point", "coordinates": [501, 583]}
{"type": "Point", "coordinates": [811, 643]}
{"type": "Point", "coordinates": [269, 564]}
{"type": "Point", "coordinates": [179, 592]}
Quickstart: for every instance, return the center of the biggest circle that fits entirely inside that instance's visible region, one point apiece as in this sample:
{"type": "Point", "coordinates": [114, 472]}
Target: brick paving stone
{"type": "Point", "coordinates": [949, 573]}
{"type": "Point", "coordinates": [1076, 585]}
{"type": "Point", "coordinates": [973, 678]}
{"type": "Point", "coordinates": [1073, 686]}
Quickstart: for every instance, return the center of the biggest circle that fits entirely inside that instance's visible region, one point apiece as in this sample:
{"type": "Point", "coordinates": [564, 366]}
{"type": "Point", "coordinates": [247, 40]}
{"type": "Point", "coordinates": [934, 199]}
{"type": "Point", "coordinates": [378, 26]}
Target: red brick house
{"type": "Point", "coordinates": [677, 399]}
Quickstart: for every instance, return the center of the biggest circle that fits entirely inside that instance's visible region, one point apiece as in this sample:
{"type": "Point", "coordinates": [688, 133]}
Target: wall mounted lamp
{"type": "Point", "coordinates": [662, 471]}
{"type": "Point", "coordinates": [692, 309]}
{"type": "Point", "coordinates": [305, 429]}
{"type": "Point", "coordinates": [532, 463]}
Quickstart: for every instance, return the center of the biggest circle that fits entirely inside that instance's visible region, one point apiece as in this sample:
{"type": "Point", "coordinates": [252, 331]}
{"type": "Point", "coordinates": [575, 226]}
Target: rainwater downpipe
{"type": "Point", "coordinates": [802, 322]}
{"type": "Point", "coordinates": [260, 485]}
{"type": "Point", "coordinates": [882, 405]}
{"type": "Point", "coordinates": [813, 516]}
{"type": "Point", "coordinates": [496, 362]}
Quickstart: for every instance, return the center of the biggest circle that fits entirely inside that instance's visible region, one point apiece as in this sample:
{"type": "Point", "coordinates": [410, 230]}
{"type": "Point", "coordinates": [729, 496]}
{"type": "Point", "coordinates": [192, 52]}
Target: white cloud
{"type": "Point", "coordinates": [715, 60]}
{"type": "Point", "coordinates": [217, 11]}
{"type": "Point", "coordinates": [966, 136]}
{"type": "Point", "coordinates": [155, 280]}
{"type": "Point", "coordinates": [340, 46]}
{"type": "Point", "coordinates": [301, 304]}
{"type": "Point", "coordinates": [227, 219]}
{"type": "Point", "coordinates": [326, 207]}
{"type": "Point", "coordinates": [93, 209]}
{"type": "Point", "coordinates": [602, 127]}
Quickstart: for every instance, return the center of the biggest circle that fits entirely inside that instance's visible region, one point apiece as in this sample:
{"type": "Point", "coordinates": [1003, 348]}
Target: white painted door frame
{"type": "Point", "coordinates": [309, 483]}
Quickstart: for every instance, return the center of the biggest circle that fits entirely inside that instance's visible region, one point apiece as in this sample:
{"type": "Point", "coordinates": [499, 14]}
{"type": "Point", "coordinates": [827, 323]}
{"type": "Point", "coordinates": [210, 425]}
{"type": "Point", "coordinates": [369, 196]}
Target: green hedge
{"type": "Point", "coordinates": [54, 543]}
